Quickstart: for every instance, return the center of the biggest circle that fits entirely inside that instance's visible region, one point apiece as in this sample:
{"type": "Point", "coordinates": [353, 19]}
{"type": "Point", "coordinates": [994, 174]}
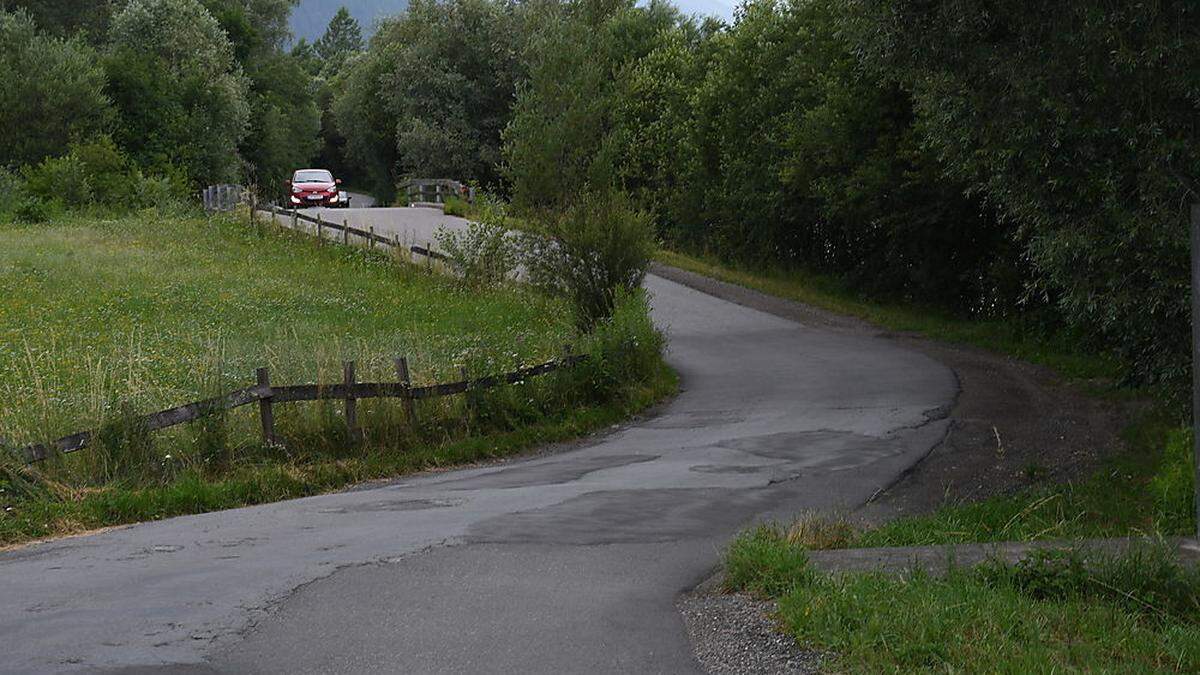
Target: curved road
{"type": "Point", "coordinates": [569, 562]}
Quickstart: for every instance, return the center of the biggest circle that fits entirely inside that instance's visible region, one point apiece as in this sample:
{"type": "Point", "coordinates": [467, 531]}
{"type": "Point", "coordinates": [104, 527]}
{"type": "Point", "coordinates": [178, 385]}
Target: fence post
{"type": "Point", "coordinates": [320, 224]}
{"type": "Point", "coordinates": [253, 211]}
{"type": "Point", "coordinates": [264, 409]}
{"type": "Point", "coordinates": [348, 379]}
{"type": "Point", "coordinates": [406, 382]}
{"type": "Point", "coordinates": [371, 230]}
{"type": "Point", "coordinates": [470, 395]}
{"type": "Point", "coordinates": [1196, 357]}
{"type": "Point", "coordinates": [295, 217]}
{"type": "Point", "coordinates": [345, 231]}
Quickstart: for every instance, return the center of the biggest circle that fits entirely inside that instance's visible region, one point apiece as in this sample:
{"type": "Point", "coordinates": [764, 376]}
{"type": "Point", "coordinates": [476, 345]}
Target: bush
{"type": "Point", "coordinates": [182, 96]}
{"type": "Point", "coordinates": [455, 207]}
{"type": "Point", "coordinates": [622, 348]}
{"type": "Point", "coordinates": [95, 172]}
{"type": "Point", "coordinates": [589, 253]}
{"type": "Point", "coordinates": [62, 178]}
{"type": "Point", "coordinates": [485, 254]}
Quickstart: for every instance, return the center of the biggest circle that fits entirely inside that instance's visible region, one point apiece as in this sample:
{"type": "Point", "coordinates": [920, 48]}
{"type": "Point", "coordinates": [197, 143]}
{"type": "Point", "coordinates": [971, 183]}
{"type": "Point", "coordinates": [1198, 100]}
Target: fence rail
{"type": "Point", "coordinates": [266, 395]}
{"type": "Point", "coordinates": [347, 231]}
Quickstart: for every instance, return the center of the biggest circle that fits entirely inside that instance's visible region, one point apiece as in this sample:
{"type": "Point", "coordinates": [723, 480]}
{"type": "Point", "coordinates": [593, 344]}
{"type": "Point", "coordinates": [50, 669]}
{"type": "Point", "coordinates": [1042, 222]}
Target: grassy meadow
{"type": "Point", "coordinates": [100, 318]}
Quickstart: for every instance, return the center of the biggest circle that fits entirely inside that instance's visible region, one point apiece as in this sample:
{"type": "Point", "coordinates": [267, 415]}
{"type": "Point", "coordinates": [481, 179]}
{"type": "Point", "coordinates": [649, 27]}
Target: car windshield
{"type": "Point", "coordinates": [313, 177]}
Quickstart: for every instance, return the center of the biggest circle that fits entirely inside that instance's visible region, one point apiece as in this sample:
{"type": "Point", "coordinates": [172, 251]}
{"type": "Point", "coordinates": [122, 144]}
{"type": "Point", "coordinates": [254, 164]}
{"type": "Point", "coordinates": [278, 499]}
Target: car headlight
{"type": "Point", "coordinates": [296, 190]}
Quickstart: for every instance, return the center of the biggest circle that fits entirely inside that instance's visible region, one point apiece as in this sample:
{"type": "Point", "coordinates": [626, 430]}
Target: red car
{"type": "Point", "coordinates": [316, 187]}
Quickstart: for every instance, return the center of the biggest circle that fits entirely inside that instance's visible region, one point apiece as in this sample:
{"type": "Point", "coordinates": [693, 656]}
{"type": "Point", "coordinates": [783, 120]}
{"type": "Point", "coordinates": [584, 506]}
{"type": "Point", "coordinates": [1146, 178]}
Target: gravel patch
{"type": "Point", "coordinates": [735, 633]}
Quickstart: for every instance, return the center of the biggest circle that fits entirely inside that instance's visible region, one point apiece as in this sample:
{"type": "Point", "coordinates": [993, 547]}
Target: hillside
{"type": "Point", "coordinates": [310, 17]}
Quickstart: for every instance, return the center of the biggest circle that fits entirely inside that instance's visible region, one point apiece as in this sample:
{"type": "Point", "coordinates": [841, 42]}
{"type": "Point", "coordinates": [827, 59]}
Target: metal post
{"type": "Point", "coordinates": [1196, 358]}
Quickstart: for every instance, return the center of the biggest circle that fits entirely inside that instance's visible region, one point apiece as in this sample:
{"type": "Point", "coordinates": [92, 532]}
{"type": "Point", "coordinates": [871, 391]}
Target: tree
{"type": "Point", "coordinates": [342, 38]}
{"type": "Point", "coordinates": [1079, 121]}
{"type": "Point", "coordinates": [433, 93]}
{"type": "Point", "coordinates": [562, 117]}
{"type": "Point", "coordinates": [53, 91]}
{"type": "Point", "coordinates": [65, 18]}
{"type": "Point", "coordinates": [182, 97]}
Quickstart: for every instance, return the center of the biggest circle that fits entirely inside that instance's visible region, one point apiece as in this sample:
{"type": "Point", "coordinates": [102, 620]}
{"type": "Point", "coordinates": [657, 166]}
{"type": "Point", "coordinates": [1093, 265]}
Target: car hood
{"type": "Point", "coordinates": [314, 186]}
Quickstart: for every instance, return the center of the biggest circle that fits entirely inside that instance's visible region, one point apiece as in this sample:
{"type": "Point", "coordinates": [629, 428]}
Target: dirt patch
{"type": "Point", "coordinates": [1014, 425]}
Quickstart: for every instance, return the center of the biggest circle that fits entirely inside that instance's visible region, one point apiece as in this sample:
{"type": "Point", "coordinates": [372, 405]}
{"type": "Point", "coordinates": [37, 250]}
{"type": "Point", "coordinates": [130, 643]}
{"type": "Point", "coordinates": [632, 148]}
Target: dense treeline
{"type": "Point", "coordinates": [179, 93]}
{"type": "Point", "coordinates": [1018, 159]}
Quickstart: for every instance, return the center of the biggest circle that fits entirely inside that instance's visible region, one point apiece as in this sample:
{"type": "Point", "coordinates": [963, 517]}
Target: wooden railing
{"type": "Point", "coordinates": [348, 231]}
{"type": "Point", "coordinates": [350, 391]}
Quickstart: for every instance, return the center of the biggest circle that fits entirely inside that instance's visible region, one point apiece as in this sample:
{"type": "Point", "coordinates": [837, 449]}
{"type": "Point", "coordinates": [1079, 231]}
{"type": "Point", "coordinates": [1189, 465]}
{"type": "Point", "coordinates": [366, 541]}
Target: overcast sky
{"type": "Point", "coordinates": [310, 17]}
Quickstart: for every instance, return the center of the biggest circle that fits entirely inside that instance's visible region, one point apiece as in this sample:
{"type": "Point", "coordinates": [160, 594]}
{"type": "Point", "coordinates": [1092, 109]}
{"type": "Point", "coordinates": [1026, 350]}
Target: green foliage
{"type": "Point", "coordinates": [53, 91]}
{"type": "Point", "coordinates": [556, 143]}
{"type": "Point", "coordinates": [182, 97]}
{"type": "Point", "coordinates": [1055, 610]}
{"type": "Point", "coordinates": [357, 115]}
{"type": "Point", "coordinates": [455, 207]}
{"type": "Point", "coordinates": [761, 560]}
{"type": "Point", "coordinates": [65, 18]}
{"type": "Point", "coordinates": [622, 348]}
{"type": "Point", "coordinates": [123, 449]}
{"type": "Point", "coordinates": [485, 254]}
{"type": "Point", "coordinates": [433, 93]}
{"type": "Point", "coordinates": [96, 172]}
{"type": "Point", "coordinates": [589, 253]}
{"type": "Point", "coordinates": [1076, 120]}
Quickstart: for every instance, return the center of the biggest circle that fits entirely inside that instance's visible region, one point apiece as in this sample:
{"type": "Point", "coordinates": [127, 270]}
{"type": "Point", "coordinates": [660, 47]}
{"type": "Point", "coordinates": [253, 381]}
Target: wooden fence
{"type": "Point", "coordinates": [350, 391]}
{"type": "Point", "coordinates": [347, 231]}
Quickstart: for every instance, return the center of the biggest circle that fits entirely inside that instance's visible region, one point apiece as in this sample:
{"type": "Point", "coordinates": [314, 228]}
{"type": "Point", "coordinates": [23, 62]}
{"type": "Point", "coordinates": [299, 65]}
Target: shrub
{"type": "Point", "coordinates": [455, 207]}
{"type": "Point", "coordinates": [622, 348]}
{"type": "Point", "coordinates": [590, 252]}
{"type": "Point", "coordinates": [62, 178]}
{"type": "Point", "coordinates": [485, 254]}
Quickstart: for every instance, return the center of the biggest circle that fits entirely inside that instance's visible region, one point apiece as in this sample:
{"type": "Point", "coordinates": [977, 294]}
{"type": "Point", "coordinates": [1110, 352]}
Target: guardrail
{"type": "Point", "coordinates": [224, 197]}
{"type": "Point", "coordinates": [435, 190]}
{"type": "Point", "coordinates": [350, 391]}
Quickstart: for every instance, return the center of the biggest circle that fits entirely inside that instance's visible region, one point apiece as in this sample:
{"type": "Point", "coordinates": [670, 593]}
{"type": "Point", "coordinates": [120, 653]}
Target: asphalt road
{"type": "Point", "coordinates": [570, 562]}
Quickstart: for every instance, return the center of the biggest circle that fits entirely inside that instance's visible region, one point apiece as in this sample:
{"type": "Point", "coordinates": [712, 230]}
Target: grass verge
{"type": "Point", "coordinates": [1054, 612]}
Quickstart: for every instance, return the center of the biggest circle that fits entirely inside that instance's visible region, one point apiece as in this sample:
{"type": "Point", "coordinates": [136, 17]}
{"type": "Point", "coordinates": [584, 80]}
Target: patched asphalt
{"type": "Point", "coordinates": [567, 562]}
